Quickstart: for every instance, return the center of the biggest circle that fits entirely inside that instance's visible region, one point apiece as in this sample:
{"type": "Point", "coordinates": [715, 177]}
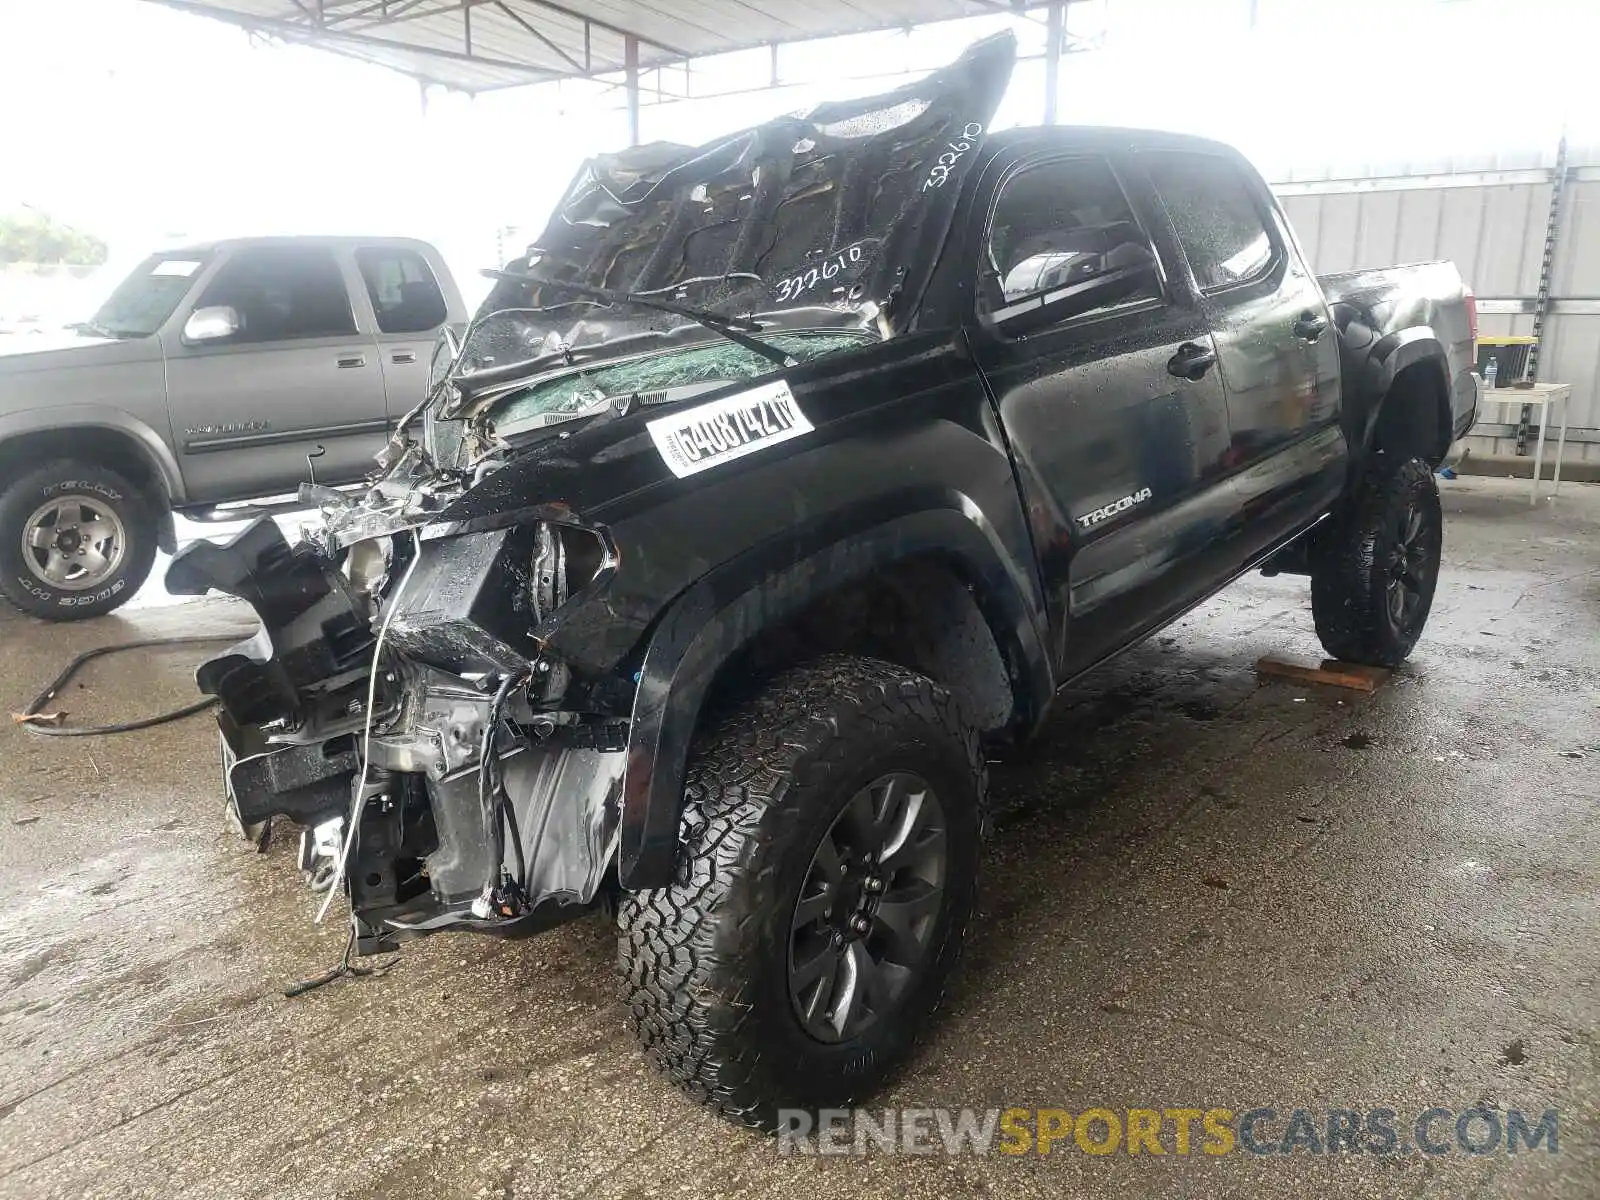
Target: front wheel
{"type": "Point", "coordinates": [1374, 570]}
{"type": "Point", "coordinates": [76, 541]}
{"type": "Point", "coordinates": [828, 868]}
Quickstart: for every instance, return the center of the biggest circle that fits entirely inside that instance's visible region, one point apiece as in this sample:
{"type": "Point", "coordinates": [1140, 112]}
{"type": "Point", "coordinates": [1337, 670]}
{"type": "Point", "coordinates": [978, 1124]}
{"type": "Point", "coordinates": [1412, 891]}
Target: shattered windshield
{"type": "Point", "coordinates": [143, 301]}
{"type": "Point", "coordinates": [711, 365]}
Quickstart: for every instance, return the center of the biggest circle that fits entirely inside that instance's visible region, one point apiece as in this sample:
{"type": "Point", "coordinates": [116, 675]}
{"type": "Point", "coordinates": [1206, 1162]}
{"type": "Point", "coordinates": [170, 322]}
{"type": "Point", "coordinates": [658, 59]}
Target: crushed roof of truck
{"type": "Point", "coordinates": [843, 206]}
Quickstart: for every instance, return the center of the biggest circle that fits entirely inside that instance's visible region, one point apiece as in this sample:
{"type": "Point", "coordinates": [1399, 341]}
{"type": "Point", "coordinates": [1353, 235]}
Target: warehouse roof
{"type": "Point", "coordinates": [478, 45]}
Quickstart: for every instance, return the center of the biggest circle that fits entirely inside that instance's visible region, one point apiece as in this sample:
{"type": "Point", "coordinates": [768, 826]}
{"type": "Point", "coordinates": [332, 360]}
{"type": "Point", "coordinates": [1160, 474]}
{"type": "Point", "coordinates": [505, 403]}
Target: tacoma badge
{"type": "Point", "coordinates": [1107, 511]}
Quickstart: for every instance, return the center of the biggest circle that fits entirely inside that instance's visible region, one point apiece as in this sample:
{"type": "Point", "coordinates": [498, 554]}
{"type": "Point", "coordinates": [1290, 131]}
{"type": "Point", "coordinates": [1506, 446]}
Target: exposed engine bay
{"type": "Point", "coordinates": [442, 687]}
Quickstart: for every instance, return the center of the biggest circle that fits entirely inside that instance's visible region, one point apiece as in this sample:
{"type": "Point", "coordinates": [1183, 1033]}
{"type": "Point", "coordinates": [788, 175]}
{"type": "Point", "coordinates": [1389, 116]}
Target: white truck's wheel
{"type": "Point", "coordinates": [76, 541]}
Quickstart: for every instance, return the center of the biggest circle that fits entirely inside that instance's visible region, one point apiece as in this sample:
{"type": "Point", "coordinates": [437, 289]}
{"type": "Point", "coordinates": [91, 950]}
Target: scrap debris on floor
{"type": "Point", "coordinates": [1330, 671]}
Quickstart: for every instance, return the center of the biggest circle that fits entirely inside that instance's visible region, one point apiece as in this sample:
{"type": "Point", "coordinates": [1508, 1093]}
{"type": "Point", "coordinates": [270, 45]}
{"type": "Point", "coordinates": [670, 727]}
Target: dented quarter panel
{"type": "Point", "coordinates": [1391, 318]}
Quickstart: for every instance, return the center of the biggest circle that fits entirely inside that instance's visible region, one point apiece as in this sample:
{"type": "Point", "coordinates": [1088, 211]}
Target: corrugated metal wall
{"type": "Point", "coordinates": [1490, 219]}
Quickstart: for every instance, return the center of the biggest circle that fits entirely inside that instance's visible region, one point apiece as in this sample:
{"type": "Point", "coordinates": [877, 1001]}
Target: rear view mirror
{"type": "Point", "coordinates": [211, 324]}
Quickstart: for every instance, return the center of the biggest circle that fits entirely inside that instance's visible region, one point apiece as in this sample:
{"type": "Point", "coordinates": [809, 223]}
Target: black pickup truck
{"type": "Point", "coordinates": [783, 474]}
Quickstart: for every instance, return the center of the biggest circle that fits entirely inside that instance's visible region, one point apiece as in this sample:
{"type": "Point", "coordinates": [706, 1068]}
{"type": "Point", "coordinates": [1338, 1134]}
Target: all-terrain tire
{"type": "Point", "coordinates": [1389, 540]}
{"type": "Point", "coordinates": [705, 963]}
{"type": "Point", "coordinates": [25, 585]}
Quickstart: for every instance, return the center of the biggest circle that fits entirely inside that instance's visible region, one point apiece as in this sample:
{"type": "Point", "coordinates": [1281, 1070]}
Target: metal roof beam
{"type": "Point", "coordinates": [1015, 8]}
{"type": "Point", "coordinates": [311, 34]}
{"type": "Point", "coordinates": [609, 28]}
{"type": "Point", "coordinates": [394, 12]}
{"type": "Point", "coordinates": [536, 41]}
{"type": "Point", "coordinates": [522, 21]}
{"type": "Point", "coordinates": [631, 82]}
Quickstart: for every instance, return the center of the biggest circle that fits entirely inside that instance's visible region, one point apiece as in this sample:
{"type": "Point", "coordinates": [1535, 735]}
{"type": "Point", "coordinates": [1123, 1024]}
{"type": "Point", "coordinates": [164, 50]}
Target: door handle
{"type": "Point", "coordinates": [1192, 361]}
{"type": "Point", "coordinates": [1309, 326]}
{"type": "Point", "coordinates": [403, 357]}
{"type": "Point", "coordinates": [355, 360]}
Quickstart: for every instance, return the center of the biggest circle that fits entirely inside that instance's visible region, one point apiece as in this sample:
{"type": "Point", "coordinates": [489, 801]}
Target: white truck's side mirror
{"type": "Point", "coordinates": [211, 324]}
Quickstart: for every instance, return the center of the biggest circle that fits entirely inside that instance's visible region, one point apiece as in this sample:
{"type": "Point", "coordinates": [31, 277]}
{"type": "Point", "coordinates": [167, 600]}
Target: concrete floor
{"type": "Point", "coordinates": [1222, 894]}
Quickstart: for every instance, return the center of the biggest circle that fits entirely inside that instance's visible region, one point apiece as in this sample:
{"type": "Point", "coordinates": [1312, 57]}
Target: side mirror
{"type": "Point", "coordinates": [211, 324]}
{"type": "Point", "coordinates": [1069, 284]}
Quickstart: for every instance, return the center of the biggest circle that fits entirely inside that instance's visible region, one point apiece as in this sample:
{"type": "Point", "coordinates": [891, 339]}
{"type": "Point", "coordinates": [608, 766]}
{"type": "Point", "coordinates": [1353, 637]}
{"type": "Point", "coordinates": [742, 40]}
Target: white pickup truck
{"type": "Point", "coordinates": [210, 375]}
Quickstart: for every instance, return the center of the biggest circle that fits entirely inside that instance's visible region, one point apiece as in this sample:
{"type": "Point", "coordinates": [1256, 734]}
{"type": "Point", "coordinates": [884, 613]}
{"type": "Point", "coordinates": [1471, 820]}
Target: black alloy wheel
{"type": "Point", "coordinates": [868, 907]}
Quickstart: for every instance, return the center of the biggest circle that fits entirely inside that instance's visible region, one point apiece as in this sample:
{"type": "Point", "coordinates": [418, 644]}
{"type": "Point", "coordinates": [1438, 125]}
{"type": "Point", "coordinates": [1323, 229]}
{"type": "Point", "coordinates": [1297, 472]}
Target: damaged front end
{"type": "Point", "coordinates": [396, 703]}
{"type": "Point", "coordinates": [441, 689]}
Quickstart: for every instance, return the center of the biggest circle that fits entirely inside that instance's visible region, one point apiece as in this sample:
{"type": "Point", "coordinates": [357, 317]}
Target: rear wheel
{"type": "Point", "coordinates": [829, 865]}
{"type": "Point", "coordinates": [76, 541]}
{"type": "Point", "coordinates": [1374, 572]}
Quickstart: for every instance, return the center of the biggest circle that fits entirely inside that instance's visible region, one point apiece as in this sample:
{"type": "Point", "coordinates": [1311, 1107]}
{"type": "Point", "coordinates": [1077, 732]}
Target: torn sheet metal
{"type": "Point", "coordinates": [845, 205]}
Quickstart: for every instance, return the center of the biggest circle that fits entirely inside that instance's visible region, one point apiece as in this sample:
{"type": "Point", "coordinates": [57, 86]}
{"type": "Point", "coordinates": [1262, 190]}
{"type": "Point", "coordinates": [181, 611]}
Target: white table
{"type": "Point", "coordinates": [1540, 396]}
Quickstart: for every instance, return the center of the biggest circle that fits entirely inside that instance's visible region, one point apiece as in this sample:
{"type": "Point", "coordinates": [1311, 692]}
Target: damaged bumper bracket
{"type": "Point", "coordinates": [442, 840]}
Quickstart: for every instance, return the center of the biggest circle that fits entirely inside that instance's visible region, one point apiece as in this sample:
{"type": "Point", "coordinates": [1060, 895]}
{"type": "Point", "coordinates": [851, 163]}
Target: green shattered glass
{"type": "Point", "coordinates": [720, 362]}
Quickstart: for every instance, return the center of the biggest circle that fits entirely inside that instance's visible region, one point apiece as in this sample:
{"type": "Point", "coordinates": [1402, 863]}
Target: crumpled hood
{"type": "Point", "coordinates": [844, 206]}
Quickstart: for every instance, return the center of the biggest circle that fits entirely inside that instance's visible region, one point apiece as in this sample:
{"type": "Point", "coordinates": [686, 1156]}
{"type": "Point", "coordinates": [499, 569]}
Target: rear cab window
{"type": "Point", "coordinates": [1218, 215]}
{"type": "Point", "coordinates": [405, 296]}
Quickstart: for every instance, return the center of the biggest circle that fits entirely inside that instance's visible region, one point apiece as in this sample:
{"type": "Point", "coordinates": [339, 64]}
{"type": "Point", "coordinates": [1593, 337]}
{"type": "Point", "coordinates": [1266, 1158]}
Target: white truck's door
{"type": "Point", "coordinates": [408, 307]}
{"type": "Point", "coordinates": [299, 378]}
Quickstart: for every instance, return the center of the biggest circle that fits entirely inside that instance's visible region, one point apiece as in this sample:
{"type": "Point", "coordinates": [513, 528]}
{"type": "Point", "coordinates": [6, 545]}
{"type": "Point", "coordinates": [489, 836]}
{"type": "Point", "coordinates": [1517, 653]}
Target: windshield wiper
{"type": "Point", "coordinates": [733, 328]}
{"type": "Point", "coordinates": [96, 328]}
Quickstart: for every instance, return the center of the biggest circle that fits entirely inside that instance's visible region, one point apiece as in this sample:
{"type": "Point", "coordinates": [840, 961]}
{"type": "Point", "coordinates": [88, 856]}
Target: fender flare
{"type": "Point", "coordinates": [717, 616]}
{"type": "Point", "coordinates": [146, 441]}
{"type": "Point", "coordinates": [143, 440]}
{"type": "Point", "coordinates": [1394, 353]}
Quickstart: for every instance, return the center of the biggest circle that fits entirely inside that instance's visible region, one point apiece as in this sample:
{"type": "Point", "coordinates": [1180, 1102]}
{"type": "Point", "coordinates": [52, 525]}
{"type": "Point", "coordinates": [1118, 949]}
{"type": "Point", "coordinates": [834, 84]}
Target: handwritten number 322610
{"type": "Point", "coordinates": [947, 161]}
{"type": "Point", "coordinates": [795, 285]}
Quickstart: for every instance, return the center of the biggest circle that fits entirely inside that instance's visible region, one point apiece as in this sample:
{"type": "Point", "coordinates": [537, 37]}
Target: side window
{"type": "Point", "coordinates": [283, 293]}
{"type": "Point", "coordinates": [405, 295]}
{"type": "Point", "coordinates": [1217, 215]}
{"type": "Point", "coordinates": [1065, 224]}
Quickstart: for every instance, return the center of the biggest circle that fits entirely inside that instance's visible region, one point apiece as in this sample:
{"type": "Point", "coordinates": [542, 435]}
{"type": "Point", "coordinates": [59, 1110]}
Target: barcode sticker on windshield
{"type": "Point", "coordinates": [709, 435]}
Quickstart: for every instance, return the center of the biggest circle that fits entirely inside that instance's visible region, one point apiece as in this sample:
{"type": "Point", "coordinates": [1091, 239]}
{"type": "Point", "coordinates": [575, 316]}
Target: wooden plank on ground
{"type": "Point", "coordinates": [1331, 672]}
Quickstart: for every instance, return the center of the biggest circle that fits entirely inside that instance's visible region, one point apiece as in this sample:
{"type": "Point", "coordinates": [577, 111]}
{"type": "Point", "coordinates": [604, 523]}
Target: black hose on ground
{"type": "Point", "coordinates": [29, 717]}
{"type": "Point", "coordinates": [344, 968]}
